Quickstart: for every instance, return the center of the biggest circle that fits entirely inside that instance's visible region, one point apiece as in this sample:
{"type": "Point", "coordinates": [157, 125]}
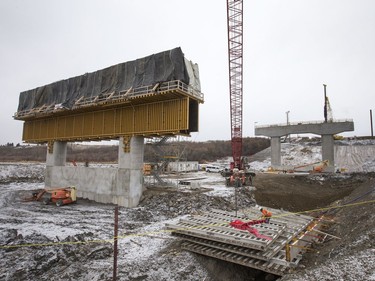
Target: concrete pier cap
{"type": "Point", "coordinates": [325, 129]}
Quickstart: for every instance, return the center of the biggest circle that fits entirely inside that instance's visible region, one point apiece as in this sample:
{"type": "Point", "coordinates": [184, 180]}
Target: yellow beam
{"type": "Point", "coordinates": [158, 118]}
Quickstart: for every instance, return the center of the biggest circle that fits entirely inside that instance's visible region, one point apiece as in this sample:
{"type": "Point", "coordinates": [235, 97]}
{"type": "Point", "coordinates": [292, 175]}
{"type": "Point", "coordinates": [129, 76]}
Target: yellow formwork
{"type": "Point", "coordinates": [150, 119]}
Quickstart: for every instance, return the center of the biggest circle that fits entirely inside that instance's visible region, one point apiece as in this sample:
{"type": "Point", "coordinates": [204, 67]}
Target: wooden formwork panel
{"type": "Point", "coordinates": [78, 125]}
{"type": "Point", "coordinates": [158, 118]}
{"type": "Point", "coordinates": [127, 121]}
{"type": "Point", "coordinates": [154, 115]}
{"type": "Point", "coordinates": [109, 123]}
{"type": "Point", "coordinates": [98, 123]}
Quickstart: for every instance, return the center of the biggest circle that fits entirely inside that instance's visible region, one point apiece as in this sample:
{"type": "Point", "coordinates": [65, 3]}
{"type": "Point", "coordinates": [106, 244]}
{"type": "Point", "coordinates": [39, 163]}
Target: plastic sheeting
{"type": "Point", "coordinates": [157, 68]}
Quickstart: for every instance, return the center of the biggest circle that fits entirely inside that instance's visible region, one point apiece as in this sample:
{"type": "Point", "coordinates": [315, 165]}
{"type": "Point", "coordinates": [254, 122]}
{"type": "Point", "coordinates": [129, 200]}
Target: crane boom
{"type": "Point", "coordinates": [235, 51]}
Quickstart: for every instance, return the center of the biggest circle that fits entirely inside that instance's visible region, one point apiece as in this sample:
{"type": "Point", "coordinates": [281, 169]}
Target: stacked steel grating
{"type": "Point", "coordinates": [287, 234]}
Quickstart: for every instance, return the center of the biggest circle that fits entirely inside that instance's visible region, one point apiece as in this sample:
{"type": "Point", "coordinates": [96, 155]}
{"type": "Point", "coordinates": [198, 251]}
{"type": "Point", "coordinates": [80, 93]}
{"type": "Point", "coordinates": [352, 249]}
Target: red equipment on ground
{"type": "Point", "coordinates": [58, 196]}
{"type": "Point", "coordinates": [247, 226]}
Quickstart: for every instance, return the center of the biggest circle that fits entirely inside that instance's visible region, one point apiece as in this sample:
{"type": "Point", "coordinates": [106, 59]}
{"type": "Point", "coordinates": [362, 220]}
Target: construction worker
{"type": "Point", "coordinates": [242, 177]}
{"type": "Point", "coordinates": [234, 179]}
{"type": "Point", "coordinates": [266, 215]}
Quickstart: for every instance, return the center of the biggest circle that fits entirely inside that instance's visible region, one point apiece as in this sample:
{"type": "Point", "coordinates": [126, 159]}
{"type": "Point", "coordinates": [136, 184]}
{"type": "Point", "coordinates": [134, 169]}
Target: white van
{"type": "Point", "coordinates": [213, 169]}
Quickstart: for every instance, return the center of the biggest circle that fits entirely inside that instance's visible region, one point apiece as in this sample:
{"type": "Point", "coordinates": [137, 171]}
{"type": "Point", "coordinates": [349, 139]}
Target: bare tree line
{"type": "Point", "coordinates": [189, 151]}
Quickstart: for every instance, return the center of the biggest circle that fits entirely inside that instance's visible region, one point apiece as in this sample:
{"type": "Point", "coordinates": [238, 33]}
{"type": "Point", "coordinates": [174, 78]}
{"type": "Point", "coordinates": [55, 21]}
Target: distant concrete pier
{"type": "Point", "coordinates": [325, 129]}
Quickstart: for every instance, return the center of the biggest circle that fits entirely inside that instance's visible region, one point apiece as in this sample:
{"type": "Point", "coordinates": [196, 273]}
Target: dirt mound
{"type": "Point", "coordinates": [59, 260]}
{"type": "Point", "coordinates": [295, 192]}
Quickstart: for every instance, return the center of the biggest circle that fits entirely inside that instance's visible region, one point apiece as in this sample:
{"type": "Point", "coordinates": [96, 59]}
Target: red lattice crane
{"type": "Point", "coordinates": [235, 51]}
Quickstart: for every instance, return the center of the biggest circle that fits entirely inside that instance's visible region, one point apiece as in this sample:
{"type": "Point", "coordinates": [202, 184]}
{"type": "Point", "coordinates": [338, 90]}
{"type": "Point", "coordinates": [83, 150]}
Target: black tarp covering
{"type": "Point", "coordinates": [160, 67]}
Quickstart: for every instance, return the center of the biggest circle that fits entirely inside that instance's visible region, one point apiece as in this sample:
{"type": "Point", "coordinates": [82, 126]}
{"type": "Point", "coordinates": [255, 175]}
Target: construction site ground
{"type": "Point", "coordinates": [75, 242]}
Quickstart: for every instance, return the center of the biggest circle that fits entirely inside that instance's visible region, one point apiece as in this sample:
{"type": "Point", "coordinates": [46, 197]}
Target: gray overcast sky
{"type": "Point", "coordinates": [291, 47]}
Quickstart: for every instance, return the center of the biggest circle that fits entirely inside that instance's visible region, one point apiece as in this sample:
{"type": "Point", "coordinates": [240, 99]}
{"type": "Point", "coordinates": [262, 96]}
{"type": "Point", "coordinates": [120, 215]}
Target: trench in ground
{"type": "Point", "coordinates": [290, 192]}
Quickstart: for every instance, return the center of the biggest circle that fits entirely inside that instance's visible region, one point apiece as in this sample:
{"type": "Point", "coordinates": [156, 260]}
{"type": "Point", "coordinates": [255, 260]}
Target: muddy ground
{"type": "Point", "coordinates": [348, 253]}
{"type": "Point", "coordinates": [350, 256]}
{"type": "Point", "coordinates": [295, 192]}
{"type": "Point", "coordinates": [74, 242]}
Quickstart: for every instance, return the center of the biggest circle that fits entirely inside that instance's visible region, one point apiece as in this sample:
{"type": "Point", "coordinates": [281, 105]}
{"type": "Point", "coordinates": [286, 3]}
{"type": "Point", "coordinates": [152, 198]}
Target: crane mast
{"type": "Point", "coordinates": [235, 51]}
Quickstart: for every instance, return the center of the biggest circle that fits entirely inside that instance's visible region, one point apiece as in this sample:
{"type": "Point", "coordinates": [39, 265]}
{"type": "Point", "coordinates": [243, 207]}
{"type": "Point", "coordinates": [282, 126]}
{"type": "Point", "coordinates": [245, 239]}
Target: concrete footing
{"type": "Point", "coordinates": [122, 185]}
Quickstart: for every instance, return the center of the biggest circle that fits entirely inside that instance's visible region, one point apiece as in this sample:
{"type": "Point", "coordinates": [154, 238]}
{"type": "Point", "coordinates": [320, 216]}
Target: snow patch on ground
{"type": "Point", "coordinates": [350, 155]}
{"type": "Point", "coordinates": [22, 170]}
{"type": "Point", "coordinates": [358, 267]}
{"type": "Point", "coordinates": [144, 241]}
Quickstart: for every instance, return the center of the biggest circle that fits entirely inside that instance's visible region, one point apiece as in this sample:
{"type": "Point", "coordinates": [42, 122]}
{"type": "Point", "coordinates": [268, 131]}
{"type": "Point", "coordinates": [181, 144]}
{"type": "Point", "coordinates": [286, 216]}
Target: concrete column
{"type": "Point", "coordinates": [328, 151]}
{"type": "Point", "coordinates": [275, 151]}
{"type": "Point", "coordinates": [130, 170]}
{"type": "Point", "coordinates": [56, 157]}
{"type": "Point", "coordinates": [133, 158]}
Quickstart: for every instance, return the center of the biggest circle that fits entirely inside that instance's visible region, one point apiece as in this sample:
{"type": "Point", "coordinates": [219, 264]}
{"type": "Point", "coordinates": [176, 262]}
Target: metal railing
{"type": "Point", "coordinates": [303, 123]}
{"type": "Point", "coordinates": [114, 97]}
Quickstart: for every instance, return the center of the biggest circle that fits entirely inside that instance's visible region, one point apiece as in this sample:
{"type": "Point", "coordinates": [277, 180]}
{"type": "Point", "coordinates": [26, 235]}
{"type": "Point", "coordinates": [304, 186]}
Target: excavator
{"type": "Point", "coordinates": [58, 196]}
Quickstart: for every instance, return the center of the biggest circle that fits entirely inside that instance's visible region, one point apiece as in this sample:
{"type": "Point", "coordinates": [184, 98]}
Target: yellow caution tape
{"type": "Point", "coordinates": [167, 230]}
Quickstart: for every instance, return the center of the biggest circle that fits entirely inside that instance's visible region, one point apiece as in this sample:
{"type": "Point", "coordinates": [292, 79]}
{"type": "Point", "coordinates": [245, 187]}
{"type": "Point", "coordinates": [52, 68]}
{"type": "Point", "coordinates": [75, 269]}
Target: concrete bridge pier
{"type": "Point", "coordinates": [328, 151]}
{"type": "Point", "coordinates": [275, 151]}
{"type": "Point", "coordinates": [130, 169]}
{"type": "Point", "coordinates": [122, 185]}
{"type": "Point", "coordinates": [325, 129]}
{"type": "Point", "coordinates": [56, 154]}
